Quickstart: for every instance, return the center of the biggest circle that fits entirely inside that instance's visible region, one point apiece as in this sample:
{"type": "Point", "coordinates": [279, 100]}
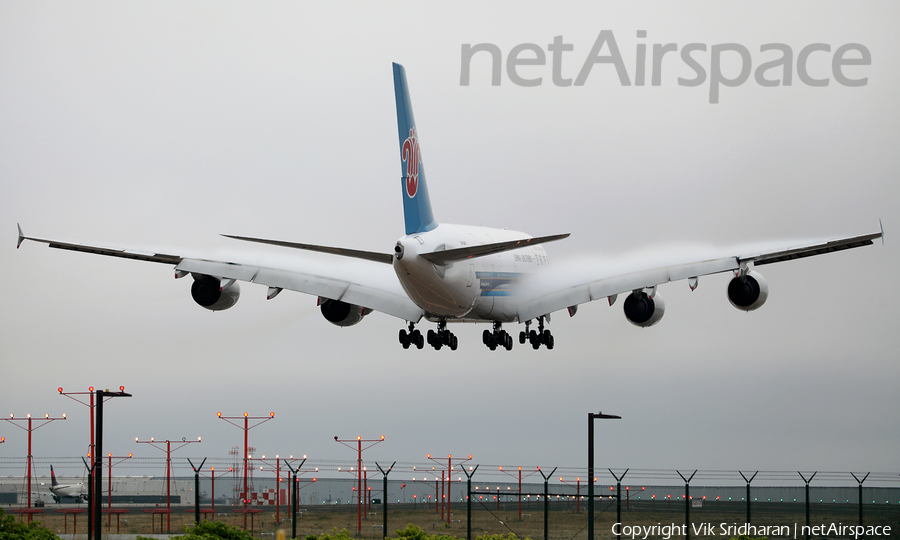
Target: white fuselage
{"type": "Point", "coordinates": [69, 491]}
{"type": "Point", "coordinates": [476, 289]}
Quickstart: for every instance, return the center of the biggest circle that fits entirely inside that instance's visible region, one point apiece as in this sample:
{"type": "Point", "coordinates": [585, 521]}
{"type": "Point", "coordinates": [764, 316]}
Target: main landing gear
{"type": "Point", "coordinates": [436, 339]}
{"type": "Point", "coordinates": [442, 337]}
{"type": "Point", "coordinates": [413, 337]}
{"type": "Point", "coordinates": [538, 338]}
{"type": "Point", "coordinates": [498, 338]}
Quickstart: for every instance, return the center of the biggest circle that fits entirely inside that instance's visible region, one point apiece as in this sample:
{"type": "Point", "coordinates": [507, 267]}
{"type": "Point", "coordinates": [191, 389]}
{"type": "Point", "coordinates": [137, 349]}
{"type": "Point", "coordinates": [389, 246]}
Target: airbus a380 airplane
{"type": "Point", "coordinates": [453, 273]}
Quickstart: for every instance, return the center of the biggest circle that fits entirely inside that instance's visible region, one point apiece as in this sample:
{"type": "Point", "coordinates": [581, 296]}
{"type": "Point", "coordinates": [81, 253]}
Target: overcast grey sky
{"type": "Point", "coordinates": [161, 125]}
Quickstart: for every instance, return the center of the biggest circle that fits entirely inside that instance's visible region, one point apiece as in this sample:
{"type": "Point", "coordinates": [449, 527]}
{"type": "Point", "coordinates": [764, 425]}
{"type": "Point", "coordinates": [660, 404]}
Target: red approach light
{"type": "Point", "coordinates": [90, 388]}
{"type": "Point", "coordinates": [246, 415]}
{"type": "Point", "coordinates": [129, 454]}
{"type": "Point", "coordinates": [626, 488]}
{"type": "Point", "coordinates": [642, 488]}
{"type": "Point", "coordinates": [272, 414]}
{"type": "Point", "coordinates": [60, 389]}
{"type": "Point", "coordinates": [219, 414]}
{"type": "Point", "coordinates": [121, 389]}
{"type": "Point", "coordinates": [470, 456]}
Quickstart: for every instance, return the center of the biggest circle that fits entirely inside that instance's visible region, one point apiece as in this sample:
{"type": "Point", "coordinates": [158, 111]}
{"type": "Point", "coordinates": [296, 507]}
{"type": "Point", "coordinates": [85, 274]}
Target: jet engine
{"type": "Point", "coordinates": [209, 292]}
{"type": "Point", "coordinates": [642, 309]}
{"type": "Point", "coordinates": [748, 292]}
{"type": "Point", "coordinates": [341, 313]}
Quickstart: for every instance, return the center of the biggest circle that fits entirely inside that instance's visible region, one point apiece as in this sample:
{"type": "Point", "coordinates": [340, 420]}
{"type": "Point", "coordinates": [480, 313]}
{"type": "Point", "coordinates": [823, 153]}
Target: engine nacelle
{"type": "Point", "coordinates": [644, 310]}
{"type": "Point", "coordinates": [209, 293]}
{"type": "Point", "coordinates": [341, 313]}
{"type": "Point", "coordinates": [749, 292]}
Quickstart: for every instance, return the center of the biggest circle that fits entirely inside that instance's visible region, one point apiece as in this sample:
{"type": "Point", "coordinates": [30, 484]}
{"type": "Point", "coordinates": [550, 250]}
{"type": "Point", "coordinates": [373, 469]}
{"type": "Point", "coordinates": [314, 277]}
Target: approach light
{"type": "Point", "coordinates": [304, 456]}
{"type": "Point", "coordinates": [135, 439]}
{"type": "Point", "coordinates": [60, 389]}
{"type": "Point", "coordinates": [264, 456]}
{"type": "Point", "coordinates": [358, 438]}
{"type": "Point", "coordinates": [520, 468]}
{"type": "Point", "coordinates": [272, 414]}
{"type": "Point", "coordinates": [121, 389]}
{"type": "Point", "coordinates": [46, 416]}
{"type": "Point", "coordinates": [382, 437]}
{"type": "Point", "coordinates": [246, 415]}
{"type": "Point", "coordinates": [219, 414]}
{"type": "Point", "coordinates": [316, 469]}
{"type": "Point", "coordinates": [64, 416]}
{"type": "Point", "coordinates": [198, 439]}
{"type": "Point", "coordinates": [28, 415]}
{"type": "Point", "coordinates": [11, 415]}
{"type": "Point", "coordinates": [90, 388]}
{"type": "Point", "coordinates": [129, 454]}
{"type": "Point", "coordinates": [109, 455]}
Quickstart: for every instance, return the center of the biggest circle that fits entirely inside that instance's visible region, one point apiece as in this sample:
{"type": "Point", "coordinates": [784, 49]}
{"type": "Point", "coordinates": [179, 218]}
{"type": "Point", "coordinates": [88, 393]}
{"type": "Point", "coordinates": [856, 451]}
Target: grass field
{"type": "Point", "coordinates": [564, 522]}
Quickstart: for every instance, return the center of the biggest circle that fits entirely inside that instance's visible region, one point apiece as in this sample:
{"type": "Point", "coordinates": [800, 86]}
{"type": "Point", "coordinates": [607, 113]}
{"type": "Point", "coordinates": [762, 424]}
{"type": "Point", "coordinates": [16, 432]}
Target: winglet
{"type": "Point", "coordinates": [21, 236]}
{"type": "Point", "coordinates": [880, 226]}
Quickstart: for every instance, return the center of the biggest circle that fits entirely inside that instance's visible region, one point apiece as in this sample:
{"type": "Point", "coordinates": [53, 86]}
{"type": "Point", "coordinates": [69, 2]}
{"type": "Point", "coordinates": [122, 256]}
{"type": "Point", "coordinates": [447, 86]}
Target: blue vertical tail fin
{"type": "Point", "coordinates": [416, 204]}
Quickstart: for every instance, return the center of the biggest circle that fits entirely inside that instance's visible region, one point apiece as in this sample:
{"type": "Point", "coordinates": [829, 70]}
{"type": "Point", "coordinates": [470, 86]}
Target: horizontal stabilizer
{"type": "Point", "coordinates": [468, 252]}
{"type": "Point", "coordinates": [344, 252]}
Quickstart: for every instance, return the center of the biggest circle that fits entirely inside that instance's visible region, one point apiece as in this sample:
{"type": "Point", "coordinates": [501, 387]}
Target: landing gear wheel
{"type": "Point", "coordinates": [509, 342]}
{"type": "Point", "coordinates": [453, 342]}
{"type": "Point", "coordinates": [430, 336]}
{"type": "Point", "coordinates": [418, 339]}
{"type": "Point", "coordinates": [486, 337]}
{"type": "Point", "coordinates": [404, 339]}
{"type": "Point", "coordinates": [522, 338]}
{"type": "Point", "coordinates": [550, 342]}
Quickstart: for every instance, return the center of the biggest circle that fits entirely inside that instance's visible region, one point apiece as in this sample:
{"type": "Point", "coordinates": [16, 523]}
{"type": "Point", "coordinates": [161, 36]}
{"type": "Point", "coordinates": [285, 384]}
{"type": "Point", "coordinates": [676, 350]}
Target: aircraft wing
{"type": "Point", "coordinates": [381, 291]}
{"type": "Point", "coordinates": [374, 287]}
{"type": "Point", "coordinates": [543, 303]}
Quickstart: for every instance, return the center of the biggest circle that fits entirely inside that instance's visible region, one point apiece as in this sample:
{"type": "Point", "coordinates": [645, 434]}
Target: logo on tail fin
{"type": "Point", "coordinates": [53, 481]}
{"type": "Point", "coordinates": [409, 153]}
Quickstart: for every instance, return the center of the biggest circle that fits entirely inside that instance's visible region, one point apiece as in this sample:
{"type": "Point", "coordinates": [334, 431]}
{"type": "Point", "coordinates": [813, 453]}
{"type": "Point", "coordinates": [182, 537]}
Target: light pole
{"type": "Point", "coordinates": [168, 450]}
{"type": "Point", "coordinates": [98, 455]}
{"type": "Point", "coordinates": [591, 479]}
{"type": "Point", "coordinates": [359, 472]}
{"type": "Point", "coordinates": [246, 427]}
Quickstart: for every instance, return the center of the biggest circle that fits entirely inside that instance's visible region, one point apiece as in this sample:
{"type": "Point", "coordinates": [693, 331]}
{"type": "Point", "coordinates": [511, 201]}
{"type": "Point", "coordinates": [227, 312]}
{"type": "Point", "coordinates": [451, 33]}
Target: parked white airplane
{"type": "Point", "coordinates": [452, 273]}
{"type": "Point", "coordinates": [70, 491]}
